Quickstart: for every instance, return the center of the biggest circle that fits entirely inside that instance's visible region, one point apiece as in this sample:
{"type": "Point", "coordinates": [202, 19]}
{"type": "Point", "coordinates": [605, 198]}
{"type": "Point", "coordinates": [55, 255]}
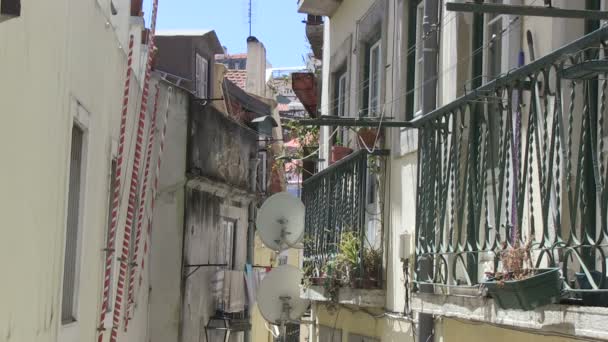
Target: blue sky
{"type": "Point", "coordinates": [276, 23]}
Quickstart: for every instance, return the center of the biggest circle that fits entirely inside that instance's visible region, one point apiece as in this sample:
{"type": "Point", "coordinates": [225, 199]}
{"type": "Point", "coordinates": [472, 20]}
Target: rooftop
{"type": "Point", "coordinates": [238, 77]}
{"type": "Point", "coordinates": [182, 32]}
{"type": "Point", "coordinates": [232, 56]}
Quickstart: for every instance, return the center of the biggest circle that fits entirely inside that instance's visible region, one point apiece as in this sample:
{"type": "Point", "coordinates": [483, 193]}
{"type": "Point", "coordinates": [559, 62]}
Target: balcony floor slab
{"type": "Point", "coordinates": [580, 321]}
{"type": "Point", "coordinates": [347, 296]}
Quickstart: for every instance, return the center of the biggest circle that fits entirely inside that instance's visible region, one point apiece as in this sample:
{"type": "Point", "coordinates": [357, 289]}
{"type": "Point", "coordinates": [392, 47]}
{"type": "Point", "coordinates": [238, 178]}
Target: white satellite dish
{"type": "Point", "coordinates": [279, 296]}
{"type": "Point", "coordinates": [280, 221]}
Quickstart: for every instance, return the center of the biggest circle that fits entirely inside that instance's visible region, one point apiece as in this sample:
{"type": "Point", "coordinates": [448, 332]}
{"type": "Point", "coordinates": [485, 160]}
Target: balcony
{"type": "Point", "coordinates": [343, 254]}
{"type": "Point", "coordinates": [319, 7]}
{"type": "Point", "coordinates": [314, 33]}
{"type": "Point", "coordinates": [518, 165]}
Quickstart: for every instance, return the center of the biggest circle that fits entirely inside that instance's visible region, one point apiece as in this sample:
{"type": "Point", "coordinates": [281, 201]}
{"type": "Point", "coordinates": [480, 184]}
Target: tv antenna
{"type": "Point", "coordinates": [280, 222]}
{"type": "Point", "coordinates": [250, 15]}
{"type": "Point", "coordinates": [279, 298]}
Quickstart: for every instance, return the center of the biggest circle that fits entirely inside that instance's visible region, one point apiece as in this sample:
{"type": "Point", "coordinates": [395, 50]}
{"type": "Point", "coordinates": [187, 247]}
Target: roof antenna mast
{"type": "Point", "coordinates": [249, 18]}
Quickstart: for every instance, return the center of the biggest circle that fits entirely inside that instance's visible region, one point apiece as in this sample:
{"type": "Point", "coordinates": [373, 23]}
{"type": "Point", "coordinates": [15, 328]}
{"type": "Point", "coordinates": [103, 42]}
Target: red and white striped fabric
{"type": "Point", "coordinates": [124, 266]}
{"type": "Point", "coordinates": [142, 208]}
{"type": "Point", "coordinates": [116, 195]}
{"type": "Point", "coordinates": [155, 187]}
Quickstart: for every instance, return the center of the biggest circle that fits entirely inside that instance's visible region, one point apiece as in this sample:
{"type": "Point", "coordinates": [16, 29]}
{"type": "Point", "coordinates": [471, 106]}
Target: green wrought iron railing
{"type": "Point", "coordinates": [346, 198]}
{"type": "Point", "coordinates": [520, 159]}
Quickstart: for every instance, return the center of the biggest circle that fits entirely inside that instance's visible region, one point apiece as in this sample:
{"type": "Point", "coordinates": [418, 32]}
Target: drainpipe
{"type": "Point", "coordinates": [429, 103]}
{"type": "Point", "coordinates": [253, 173]}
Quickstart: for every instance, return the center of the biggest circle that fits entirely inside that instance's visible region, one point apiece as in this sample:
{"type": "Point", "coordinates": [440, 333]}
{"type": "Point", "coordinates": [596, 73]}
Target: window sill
{"type": "Point", "coordinates": [581, 321]}
{"type": "Point", "coordinates": [347, 296]}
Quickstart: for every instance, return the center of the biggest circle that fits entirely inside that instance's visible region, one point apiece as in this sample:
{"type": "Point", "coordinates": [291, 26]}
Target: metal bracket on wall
{"type": "Point", "coordinates": [536, 11]}
{"type": "Point", "coordinates": [332, 120]}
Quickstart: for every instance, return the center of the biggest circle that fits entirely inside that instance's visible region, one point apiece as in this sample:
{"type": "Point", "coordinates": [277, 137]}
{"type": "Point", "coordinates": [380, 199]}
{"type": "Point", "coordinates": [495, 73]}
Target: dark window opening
{"type": "Point", "coordinates": [10, 8]}
{"type": "Point", "coordinates": [411, 55]}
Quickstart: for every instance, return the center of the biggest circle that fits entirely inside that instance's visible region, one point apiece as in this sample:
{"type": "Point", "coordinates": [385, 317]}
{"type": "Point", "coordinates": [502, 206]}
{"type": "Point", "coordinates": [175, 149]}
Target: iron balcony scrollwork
{"type": "Point", "coordinates": [522, 158]}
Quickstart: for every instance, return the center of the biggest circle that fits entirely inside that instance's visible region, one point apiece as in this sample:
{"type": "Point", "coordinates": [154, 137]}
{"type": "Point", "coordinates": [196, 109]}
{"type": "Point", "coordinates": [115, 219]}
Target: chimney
{"type": "Point", "coordinates": [256, 67]}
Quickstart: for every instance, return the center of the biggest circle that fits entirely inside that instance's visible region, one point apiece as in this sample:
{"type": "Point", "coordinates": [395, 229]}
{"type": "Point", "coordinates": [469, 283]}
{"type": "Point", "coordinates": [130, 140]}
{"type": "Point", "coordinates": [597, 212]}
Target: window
{"type": "Point", "coordinates": [494, 43]}
{"type": "Point", "coordinates": [9, 9]}
{"type": "Point", "coordinates": [227, 238]}
{"type": "Point", "coordinates": [374, 79]}
{"type": "Point", "coordinates": [418, 67]}
{"type": "Point", "coordinates": [414, 58]}
{"type": "Point", "coordinates": [262, 171]}
{"type": "Point", "coordinates": [493, 67]}
{"type": "Point", "coordinates": [371, 182]}
{"type": "Point", "coordinates": [202, 77]}
{"type": "Point", "coordinates": [341, 95]}
{"type": "Point", "coordinates": [292, 333]}
{"type": "Point", "coordinates": [73, 227]}
{"type": "Point", "coordinates": [340, 103]}
{"type": "Point", "coordinates": [327, 334]}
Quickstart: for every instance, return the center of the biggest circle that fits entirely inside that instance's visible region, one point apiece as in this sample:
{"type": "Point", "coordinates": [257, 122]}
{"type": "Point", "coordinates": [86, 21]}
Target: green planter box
{"type": "Point", "coordinates": [541, 289]}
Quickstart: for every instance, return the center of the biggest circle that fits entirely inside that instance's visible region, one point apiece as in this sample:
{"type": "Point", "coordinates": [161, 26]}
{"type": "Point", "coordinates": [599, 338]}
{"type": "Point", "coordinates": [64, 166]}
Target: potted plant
{"type": "Point", "coordinates": [367, 137]}
{"type": "Point", "coordinates": [372, 265]}
{"type": "Point", "coordinates": [593, 299]}
{"type": "Point", "coordinates": [338, 151]}
{"type": "Point", "coordinates": [348, 255]}
{"type": "Point", "coordinates": [333, 279]}
{"type": "Point", "coordinates": [518, 287]}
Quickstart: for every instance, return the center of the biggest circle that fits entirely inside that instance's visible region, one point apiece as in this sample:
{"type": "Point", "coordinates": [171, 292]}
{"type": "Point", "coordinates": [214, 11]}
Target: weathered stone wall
{"type": "Point", "coordinates": [219, 148]}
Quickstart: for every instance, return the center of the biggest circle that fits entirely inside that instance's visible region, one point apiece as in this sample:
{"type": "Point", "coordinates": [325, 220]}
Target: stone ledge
{"type": "Point", "coordinates": [572, 320]}
{"type": "Point", "coordinates": [347, 296]}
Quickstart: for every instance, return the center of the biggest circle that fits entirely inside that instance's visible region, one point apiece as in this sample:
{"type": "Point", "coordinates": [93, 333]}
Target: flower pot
{"type": "Point", "coordinates": [367, 137]}
{"type": "Point", "coordinates": [317, 281]}
{"type": "Point", "coordinates": [339, 152]}
{"type": "Point", "coordinates": [593, 299]}
{"type": "Point", "coordinates": [540, 289]}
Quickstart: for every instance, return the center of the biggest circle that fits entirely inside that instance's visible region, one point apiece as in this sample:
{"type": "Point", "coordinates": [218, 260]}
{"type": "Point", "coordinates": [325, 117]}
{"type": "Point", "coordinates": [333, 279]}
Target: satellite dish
{"type": "Point", "coordinates": [280, 221]}
{"type": "Point", "coordinates": [279, 296]}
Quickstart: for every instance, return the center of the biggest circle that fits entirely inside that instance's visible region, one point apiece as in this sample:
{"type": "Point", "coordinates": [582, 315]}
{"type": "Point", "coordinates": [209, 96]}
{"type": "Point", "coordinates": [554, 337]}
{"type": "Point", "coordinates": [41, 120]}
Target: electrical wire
{"type": "Point", "coordinates": [362, 85]}
{"type": "Point", "coordinates": [522, 329]}
{"type": "Point", "coordinates": [449, 68]}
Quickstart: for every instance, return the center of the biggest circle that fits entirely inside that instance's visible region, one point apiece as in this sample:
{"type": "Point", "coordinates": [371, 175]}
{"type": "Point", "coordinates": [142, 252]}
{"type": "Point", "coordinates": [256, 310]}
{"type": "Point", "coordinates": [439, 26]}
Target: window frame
{"type": "Point", "coordinates": [418, 60]}
{"type": "Point", "coordinates": [377, 45]}
{"type": "Point", "coordinates": [341, 94]}
{"type": "Point", "coordinates": [413, 37]}
{"type": "Point", "coordinates": [202, 76]}
{"type": "Point", "coordinates": [230, 240]}
{"type": "Point", "coordinates": [79, 122]}
{"type": "Point", "coordinates": [493, 65]}
{"type": "Point", "coordinates": [341, 97]}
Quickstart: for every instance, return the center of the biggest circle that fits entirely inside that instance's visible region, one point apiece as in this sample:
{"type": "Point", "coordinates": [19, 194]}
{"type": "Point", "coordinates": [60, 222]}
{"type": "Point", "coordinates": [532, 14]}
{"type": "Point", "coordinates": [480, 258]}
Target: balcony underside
{"type": "Point", "coordinates": [319, 7]}
{"type": "Point", "coordinates": [347, 296]}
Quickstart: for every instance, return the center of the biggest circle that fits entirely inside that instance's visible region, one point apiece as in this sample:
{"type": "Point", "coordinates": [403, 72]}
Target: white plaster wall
{"type": "Point", "coordinates": [56, 56]}
{"type": "Point", "coordinates": [158, 301]}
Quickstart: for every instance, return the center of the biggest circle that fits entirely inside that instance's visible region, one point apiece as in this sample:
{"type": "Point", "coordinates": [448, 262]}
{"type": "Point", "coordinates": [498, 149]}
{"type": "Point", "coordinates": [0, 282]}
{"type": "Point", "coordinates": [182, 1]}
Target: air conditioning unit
{"type": "Point", "coordinates": [406, 246]}
{"type": "Point", "coordinates": [9, 9]}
